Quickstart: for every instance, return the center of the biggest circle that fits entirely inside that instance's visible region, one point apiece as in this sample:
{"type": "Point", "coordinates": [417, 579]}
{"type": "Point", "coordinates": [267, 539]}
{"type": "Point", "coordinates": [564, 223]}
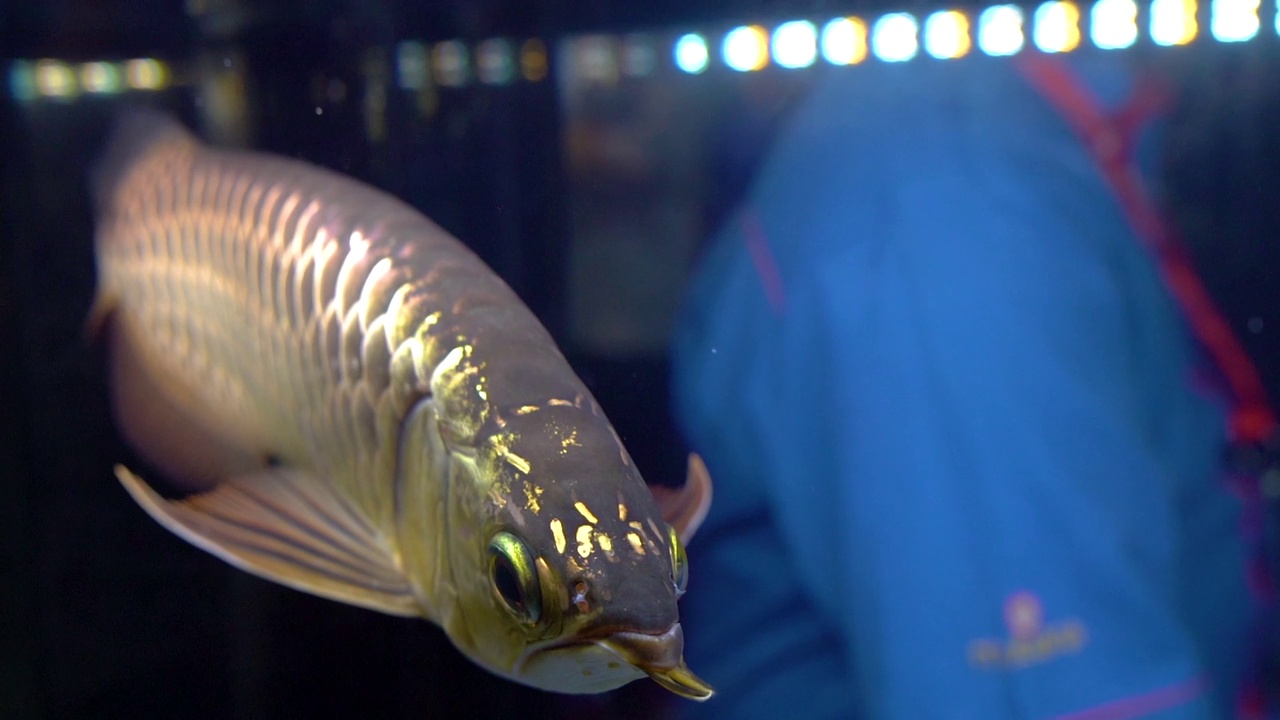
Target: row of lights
{"type": "Point", "coordinates": [61, 80]}
{"type": "Point", "coordinates": [451, 63]}
{"type": "Point", "coordinates": [1055, 27]}
{"type": "Point", "coordinates": [896, 37]}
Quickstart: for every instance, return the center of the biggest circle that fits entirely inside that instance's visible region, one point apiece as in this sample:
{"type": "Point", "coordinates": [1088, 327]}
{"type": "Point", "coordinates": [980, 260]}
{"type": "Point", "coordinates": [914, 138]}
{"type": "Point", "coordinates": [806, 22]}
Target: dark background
{"type": "Point", "coordinates": [105, 614]}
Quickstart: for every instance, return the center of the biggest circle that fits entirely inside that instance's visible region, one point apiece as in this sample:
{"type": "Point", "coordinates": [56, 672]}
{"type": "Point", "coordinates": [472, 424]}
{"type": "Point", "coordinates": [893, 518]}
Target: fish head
{"type": "Point", "coordinates": [579, 575]}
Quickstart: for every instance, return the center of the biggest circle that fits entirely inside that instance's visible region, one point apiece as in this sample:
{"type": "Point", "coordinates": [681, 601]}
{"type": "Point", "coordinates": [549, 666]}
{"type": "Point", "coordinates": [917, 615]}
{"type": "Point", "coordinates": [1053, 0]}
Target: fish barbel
{"type": "Point", "coordinates": [357, 407]}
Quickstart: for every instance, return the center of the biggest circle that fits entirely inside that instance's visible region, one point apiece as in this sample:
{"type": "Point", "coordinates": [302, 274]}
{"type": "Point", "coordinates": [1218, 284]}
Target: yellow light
{"type": "Point", "coordinates": [946, 34]}
{"type": "Point", "coordinates": [100, 77]}
{"type": "Point", "coordinates": [1057, 27]}
{"type": "Point", "coordinates": [55, 79]}
{"type": "Point", "coordinates": [1173, 22]}
{"type": "Point", "coordinates": [533, 60]}
{"type": "Point", "coordinates": [146, 74]}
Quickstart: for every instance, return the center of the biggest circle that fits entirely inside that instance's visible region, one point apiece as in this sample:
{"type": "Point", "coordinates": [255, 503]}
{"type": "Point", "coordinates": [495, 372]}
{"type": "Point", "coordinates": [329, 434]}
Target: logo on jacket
{"type": "Point", "coordinates": [1028, 640]}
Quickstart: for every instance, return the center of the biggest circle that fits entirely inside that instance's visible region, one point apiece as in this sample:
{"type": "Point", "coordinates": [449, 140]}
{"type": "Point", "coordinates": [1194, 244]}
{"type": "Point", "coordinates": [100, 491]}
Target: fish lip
{"type": "Point", "coordinates": [661, 657]}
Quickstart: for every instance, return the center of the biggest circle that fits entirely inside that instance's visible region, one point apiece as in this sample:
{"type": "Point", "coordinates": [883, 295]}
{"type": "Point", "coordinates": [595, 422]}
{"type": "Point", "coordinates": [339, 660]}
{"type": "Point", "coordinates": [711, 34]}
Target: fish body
{"type": "Point", "coordinates": [357, 407]}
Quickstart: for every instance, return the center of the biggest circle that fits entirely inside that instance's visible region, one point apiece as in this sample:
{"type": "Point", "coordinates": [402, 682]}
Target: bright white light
{"type": "Point", "coordinates": [411, 65]}
{"type": "Point", "coordinates": [1000, 30]}
{"type": "Point", "coordinates": [22, 82]}
{"type": "Point", "coordinates": [146, 74]}
{"type": "Point", "coordinates": [946, 34]}
{"type": "Point", "coordinates": [55, 79]}
{"type": "Point", "coordinates": [494, 62]}
{"type": "Point", "coordinates": [1234, 20]}
{"type": "Point", "coordinates": [844, 41]}
{"type": "Point", "coordinates": [1057, 27]}
{"type": "Point", "coordinates": [795, 44]}
{"type": "Point", "coordinates": [746, 48]}
{"type": "Point", "coordinates": [1173, 22]}
{"type": "Point", "coordinates": [1113, 24]}
{"type": "Point", "coordinates": [893, 38]}
{"type": "Point", "coordinates": [100, 77]}
{"type": "Point", "coordinates": [691, 53]}
{"type": "Point", "coordinates": [451, 63]}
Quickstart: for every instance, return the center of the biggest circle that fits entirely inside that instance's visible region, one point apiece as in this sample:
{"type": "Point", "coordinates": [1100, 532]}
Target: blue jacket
{"type": "Point", "coordinates": [963, 466]}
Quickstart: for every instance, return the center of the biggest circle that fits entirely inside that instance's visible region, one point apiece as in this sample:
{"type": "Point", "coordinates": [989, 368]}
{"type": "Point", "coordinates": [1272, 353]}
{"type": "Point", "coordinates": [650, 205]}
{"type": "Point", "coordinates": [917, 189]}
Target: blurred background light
{"type": "Point", "coordinates": [533, 60]}
{"type": "Point", "coordinates": [1057, 27]}
{"type": "Point", "coordinates": [494, 63]}
{"type": "Point", "coordinates": [146, 74]}
{"type": "Point", "coordinates": [1113, 24]}
{"type": "Point", "coordinates": [596, 58]}
{"type": "Point", "coordinates": [746, 48]}
{"type": "Point", "coordinates": [55, 79]}
{"type": "Point", "coordinates": [844, 41]}
{"type": "Point", "coordinates": [1234, 20]}
{"type": "Point", "coordinates": [691, 53]}
{"type": "Point", "coordinates": [450, 61]}
{"type": "Point", "coordinates": [795, 44]}
{"type": "Point", "coordinates": [411, 65]}
{"type": "Point", "coordinates": [101, 78]}
{"type": "Point", "coordinates": [894, 37]}
{"type": "Point", "coordinates": [638, 56]}
{"type": "Point", "coordinates": [1000, 30]}
{"type": "Point", "coordinates": [1173, 22]}
{"type": "Point", "coordinates": [946, 34]}
{"type": "Point", "coordinates": [22, 81]}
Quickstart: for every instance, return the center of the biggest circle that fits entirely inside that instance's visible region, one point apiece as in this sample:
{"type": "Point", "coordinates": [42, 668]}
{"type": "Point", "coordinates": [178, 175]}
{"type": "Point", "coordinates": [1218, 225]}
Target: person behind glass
{"type": "Point", "coordinates": [968, 451]}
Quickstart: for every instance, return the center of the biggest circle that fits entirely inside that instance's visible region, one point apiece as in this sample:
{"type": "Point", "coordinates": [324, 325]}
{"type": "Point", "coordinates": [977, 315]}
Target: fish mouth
{"type": "Point", "coordinates": [661, 657]}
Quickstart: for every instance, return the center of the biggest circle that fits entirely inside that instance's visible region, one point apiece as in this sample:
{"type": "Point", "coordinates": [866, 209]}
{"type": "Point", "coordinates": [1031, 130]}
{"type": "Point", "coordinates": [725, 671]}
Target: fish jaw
{"type": "Point", "coordinates": [577, 668]}
{"type": "Point", "coordinates": [661, 657]}
{"type": "Point", "coordinates": [602, 664]}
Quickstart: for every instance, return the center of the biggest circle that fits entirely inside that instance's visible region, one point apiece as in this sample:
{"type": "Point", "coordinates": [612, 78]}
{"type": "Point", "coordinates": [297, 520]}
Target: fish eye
{"type": "Point", "coordinates": [679, 561]}
{"type": "Point", "coordinates": [515, 578]}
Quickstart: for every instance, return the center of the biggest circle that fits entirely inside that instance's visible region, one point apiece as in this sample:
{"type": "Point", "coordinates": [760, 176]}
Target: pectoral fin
{"type": "Point", "coordinates": [285, 526]}
{"type": "Point", "coordinates": [685, 508]}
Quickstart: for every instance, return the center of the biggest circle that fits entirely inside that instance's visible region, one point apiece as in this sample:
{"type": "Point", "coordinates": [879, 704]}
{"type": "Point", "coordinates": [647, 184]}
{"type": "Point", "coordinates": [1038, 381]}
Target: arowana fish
{"type": "Point", "coordinates": [359, 408]}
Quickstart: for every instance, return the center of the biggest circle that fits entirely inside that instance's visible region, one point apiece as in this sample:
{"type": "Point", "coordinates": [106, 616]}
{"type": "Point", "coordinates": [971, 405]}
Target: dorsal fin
{"type": "Point", "coordinates": [686, 507]}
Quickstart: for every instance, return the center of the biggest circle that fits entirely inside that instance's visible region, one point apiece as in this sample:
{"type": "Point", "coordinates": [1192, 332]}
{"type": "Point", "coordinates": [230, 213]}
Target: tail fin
{"type": "Point", "coordinates": [135, 133]}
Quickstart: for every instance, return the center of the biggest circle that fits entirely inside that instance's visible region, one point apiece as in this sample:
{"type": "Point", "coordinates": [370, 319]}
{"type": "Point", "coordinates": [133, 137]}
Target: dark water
{"type": "Point", "coordinates": [105, 614]}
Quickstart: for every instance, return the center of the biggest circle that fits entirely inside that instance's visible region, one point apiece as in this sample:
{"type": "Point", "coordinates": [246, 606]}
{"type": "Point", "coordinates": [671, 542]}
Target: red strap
{"type": "Point", "coordinates": [1111, 138]}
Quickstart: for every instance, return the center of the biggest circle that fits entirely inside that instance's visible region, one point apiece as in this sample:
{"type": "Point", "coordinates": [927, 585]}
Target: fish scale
{"type": "Point", "coordinates": [349, 395]}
